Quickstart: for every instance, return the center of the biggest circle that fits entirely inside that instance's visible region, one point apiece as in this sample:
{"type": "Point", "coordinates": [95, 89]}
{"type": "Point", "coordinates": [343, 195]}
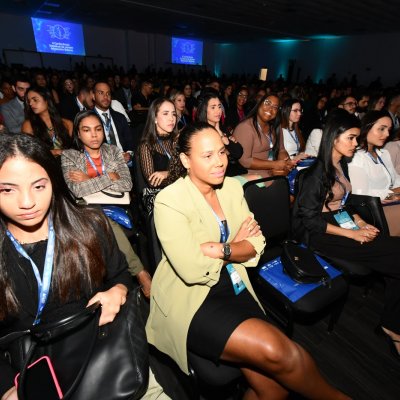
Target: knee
{"type": "Point", "coordinates": [281, 354]}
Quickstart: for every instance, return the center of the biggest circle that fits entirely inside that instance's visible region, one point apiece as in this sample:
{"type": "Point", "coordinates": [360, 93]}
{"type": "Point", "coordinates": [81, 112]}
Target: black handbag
{"type": "Point", "coordinates": [91, 362]}
{"type": "Point", "coordinates": [301, 264]}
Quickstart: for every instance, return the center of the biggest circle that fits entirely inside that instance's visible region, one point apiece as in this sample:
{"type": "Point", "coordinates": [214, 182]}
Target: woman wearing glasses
{"type": "Point", "coordinates": [264, 153]}
{"type": "Point", "coordinates": [289, 117]}
{"type": "Point", "coordinates": [237, 111]}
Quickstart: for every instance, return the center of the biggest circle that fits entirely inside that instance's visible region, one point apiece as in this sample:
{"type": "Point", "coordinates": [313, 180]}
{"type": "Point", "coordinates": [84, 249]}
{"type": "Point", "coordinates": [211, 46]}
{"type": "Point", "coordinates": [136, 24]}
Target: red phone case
{"type": "Point", "coordinates": [46, 360]}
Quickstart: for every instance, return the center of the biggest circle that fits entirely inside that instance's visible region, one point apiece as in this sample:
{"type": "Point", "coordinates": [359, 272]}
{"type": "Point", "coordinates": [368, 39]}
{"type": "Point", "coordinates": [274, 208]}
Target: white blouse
{"type": "Point", "coordinates": [313, 142]}
{"type": "Point", "coordinates": [291, 142]}
{"type": "Point", "coordinates": [371, 177]}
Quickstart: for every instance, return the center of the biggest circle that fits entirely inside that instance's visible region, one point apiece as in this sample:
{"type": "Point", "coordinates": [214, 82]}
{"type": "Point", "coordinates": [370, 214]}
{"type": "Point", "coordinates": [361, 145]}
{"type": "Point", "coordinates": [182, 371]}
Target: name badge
{"type": "Point", "coordinates": [238, 284]}
{"type": "Point", "coordinates": [344, 220]}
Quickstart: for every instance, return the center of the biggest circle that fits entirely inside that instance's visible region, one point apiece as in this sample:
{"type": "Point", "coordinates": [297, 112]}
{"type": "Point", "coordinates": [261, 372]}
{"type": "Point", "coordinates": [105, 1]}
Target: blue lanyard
{"type": "Point", "coordinates": [295, 139]}
{"type": "Point", "coordinates": [163, 147]}
{"type": "Point", "coordinates": [271, 143]}
{"type": "Point", "coordinates": [107, 125]}
{"type": "Point", "coordinates": [43, 284]}
{"type": "Point", "coordinates": [93, 164]}
{"type": "Point", "coordinates": [223, 228]}
{"type": "Point", "coordinates": [381, 161]}
{"type": "Point", "coordinates": [344, 199]}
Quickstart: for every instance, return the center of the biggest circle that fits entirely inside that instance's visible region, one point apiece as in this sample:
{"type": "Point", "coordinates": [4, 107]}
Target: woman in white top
{"type": "Point", "coordinates": [371, 169]}
{"type": "Point", "coordinates": [393, 147]}
{"type": "Point", "coordinates": [290, 115]}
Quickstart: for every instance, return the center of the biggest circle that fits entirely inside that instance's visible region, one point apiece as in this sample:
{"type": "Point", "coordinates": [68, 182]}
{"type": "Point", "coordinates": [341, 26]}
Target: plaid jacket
{"type": "Point", "coordinates": [74, 160]}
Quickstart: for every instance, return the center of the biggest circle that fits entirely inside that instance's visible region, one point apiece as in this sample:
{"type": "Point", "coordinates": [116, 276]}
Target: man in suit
{"type": "Point", "coordinates": [124, 94]}
{"type": "Point", "coordinates": [393, 107]}
{"type": "Point", "coordinates": [71, 105]}
{"type": "Point", "coordinates": [116, 128]}
{"type": "Point", "coordinates": [13, 111]}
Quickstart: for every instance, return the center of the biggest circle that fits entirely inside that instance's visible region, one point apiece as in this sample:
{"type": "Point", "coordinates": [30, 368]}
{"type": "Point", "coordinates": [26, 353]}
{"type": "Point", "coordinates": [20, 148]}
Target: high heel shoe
{"type": "Point", "coordinates": [391, 342]}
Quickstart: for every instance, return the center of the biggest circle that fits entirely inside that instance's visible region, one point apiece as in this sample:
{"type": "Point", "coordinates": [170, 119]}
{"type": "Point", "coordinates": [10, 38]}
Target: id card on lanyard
{"type": "Point", "coordinates": [343, 218]}
{"type": "Point", "coordinates": [237, 283]}
{"type": "Point", "coordinates": [43, 283]}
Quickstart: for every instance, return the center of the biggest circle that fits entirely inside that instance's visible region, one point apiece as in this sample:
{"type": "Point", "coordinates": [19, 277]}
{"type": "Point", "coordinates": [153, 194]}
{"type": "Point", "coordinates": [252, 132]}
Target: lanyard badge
{"type": "Point", "coordinates": [43, 284]}
{"type": "Point", "coordinates": [343, 218]}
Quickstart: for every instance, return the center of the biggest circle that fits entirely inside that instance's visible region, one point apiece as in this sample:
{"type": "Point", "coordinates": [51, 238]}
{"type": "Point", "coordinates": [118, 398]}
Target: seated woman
{"type": "Point", "coordinates": [371, 169]}
{"type": "Point", "coordinates": [289, 118]}
{"type": "Point", "coordinates": [202, 300]}
{"type": "Point", "coordinates": [236, 112]}
{"type": "Point", "coordinates": [209, 110]}
{"type": "Point", "coordinates": [321, 219]}
{"type": "Point", "coordinates": [38, 217]}
{"type": "Point", "coordinates": [179, 100]}
{"type": "Point", "coordinates": [156, 148]}
{"type": "Point", "coordinates": [95, 166]}
{"type": "Point", "coordinates": [44, 121]}
{"type": "Point", "coordinates": [263, 150]}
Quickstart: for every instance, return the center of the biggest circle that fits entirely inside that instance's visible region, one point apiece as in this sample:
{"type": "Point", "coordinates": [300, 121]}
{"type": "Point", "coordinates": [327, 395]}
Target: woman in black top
{"type": "Point", "coordinates": [209, 110]}
{"type": "Point", "coordinates": [322, 220]}
{"type": "Point", "coordinates": [72, 245]}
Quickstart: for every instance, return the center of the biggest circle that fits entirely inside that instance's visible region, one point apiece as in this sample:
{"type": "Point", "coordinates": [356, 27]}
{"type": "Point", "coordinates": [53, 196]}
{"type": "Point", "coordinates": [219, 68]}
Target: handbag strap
{"type": "Point", "coordinates": [7, 339]}
{"type": "Point", "coordinates": [53, 330]}
{"type": "Point", "coordinates": [115, 195]}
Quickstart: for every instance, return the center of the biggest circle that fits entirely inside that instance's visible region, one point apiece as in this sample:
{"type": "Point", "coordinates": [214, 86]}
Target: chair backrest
{"type": "Point", "coordinates": [269, 201]}
{"type": "Point", "coordinates": [139, 181]}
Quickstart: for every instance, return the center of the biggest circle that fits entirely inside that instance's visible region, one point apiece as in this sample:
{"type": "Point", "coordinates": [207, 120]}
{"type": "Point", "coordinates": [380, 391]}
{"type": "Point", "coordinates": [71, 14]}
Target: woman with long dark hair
{"type": "Point", "coordinates": [202, 300]}
{"type": "Point", "coordinates": [156, 148]}
{"type": "Point", "coordinates": [209, 109]}
{"type": "Point", "coordinates": [322, 220]}
{"type": "Point", "coordinates": [44, 121]}
{"type": "Point", "coordinates": [43, 230]}
{"type": "Point", "coordinates": [288, 123]}
{"type": "Point", "coordinates": [263, 150]}
{"type": "Point", "coordinates": [371, 170]}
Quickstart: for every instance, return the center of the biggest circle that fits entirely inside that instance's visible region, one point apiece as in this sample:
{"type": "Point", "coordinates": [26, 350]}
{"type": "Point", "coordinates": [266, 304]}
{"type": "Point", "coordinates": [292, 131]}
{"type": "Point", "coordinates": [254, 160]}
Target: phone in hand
{"type": "Point", "coordinates": [41, 381]}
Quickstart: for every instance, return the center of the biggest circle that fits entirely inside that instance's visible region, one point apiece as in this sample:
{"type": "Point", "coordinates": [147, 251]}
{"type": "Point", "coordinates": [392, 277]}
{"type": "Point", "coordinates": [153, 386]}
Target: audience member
{"type": "Point", "coordinates": [209, 110]}
{"type": "Point", "coordinates": [7, 92]}
{"type": "Point", "coordinates": [348, 103]}
{"type": "Point", "coordinates": [93, 166]}
{"type": "Point", "coordinates": [263, 150]}
{"type": "Point", "coordinates": [237, 112]}
{"type": "Point", "coordinates": [117, 131]}
{"type": "Point", "coordinates": [288, 126]}
{"type": "Point", "coordinates": [179, 100]}
{"type": "Point", "coordinates": [44, 121]}
{"type": "Point", "coordinates": [13, 111]}
{"type": "Point", "coordinates": [156, 148]}
{"type": "Point", "coordinates": [322, 220]}
{"type": "Point", "coordinates": [209, 237]}
{"type": "Point", "coordinates": [393, 107]}
{"type": "Point", "coordinates": [371, 169]}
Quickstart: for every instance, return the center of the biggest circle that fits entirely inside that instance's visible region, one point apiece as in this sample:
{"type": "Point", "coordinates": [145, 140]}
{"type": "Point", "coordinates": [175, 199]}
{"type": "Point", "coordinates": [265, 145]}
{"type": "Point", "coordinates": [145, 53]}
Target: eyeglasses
{"type": "Point", "coordinates": [350, 103]}
{"type": "Point", "coordinates": [268, 103]}
{"type": "Point", "coordinates": [243, 95]}
{"type": "Point", "coordinates": [297, 111]}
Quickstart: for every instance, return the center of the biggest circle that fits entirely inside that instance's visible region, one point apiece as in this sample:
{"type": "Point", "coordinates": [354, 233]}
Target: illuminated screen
{"type": "Point", "coordinates": [58, 37]}
{"type": "Point", "coordinates": [186, 51]}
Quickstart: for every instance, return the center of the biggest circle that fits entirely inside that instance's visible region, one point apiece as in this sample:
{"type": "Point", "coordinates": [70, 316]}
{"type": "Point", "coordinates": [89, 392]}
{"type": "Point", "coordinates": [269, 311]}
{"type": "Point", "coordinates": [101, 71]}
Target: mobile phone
{"type": "Point", "coordinates": [41, 381]}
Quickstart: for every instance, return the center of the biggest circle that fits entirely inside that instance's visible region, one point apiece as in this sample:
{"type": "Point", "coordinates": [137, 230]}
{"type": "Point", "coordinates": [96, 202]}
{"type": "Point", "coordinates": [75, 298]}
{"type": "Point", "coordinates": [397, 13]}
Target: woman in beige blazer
{"type": "Point", "coordinates": [201, 297]}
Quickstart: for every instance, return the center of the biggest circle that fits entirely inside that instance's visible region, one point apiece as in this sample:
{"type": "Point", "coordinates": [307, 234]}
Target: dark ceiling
{"type": "Point", "coordinates": [223, 21]}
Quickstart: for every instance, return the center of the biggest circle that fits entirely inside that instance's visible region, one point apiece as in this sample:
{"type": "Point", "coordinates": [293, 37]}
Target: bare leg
{"type": "Point", "coordinates": [267, 352]}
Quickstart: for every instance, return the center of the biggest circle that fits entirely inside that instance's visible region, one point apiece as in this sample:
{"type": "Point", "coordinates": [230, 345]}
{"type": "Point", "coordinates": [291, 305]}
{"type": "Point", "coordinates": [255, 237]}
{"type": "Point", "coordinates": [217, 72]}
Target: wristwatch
{"type": "Point", "coordinates": [226, 250]}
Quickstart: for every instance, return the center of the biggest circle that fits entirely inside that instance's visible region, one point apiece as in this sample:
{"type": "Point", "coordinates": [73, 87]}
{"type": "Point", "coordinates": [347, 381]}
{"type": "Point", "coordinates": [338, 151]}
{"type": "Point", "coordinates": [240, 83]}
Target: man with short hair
{"type": "Point", "coordinates": [348, 103]}
{"type": "Point", "coordinates": [362, 107]}
{"type": "Point", "coordinates": [116, 127]}
{"type": "Point", "coordinates": [141, 102]}
{"type": "Point", "coordinates": [71, 105]}
{"type": "Point", "coordinates": [13, 111]}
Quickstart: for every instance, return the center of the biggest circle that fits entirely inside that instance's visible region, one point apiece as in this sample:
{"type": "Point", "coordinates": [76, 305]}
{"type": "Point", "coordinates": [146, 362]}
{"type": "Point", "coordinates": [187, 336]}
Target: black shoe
{"type": "Point", "coordinates": [391, 342]}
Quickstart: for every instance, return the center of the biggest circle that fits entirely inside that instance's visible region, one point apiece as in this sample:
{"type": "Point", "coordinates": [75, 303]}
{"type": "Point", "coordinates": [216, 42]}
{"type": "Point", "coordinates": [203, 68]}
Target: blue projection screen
{"type": "Point", "coordinates": [58, 37]}
{"type": "Point", "coordinates": [186, 51]}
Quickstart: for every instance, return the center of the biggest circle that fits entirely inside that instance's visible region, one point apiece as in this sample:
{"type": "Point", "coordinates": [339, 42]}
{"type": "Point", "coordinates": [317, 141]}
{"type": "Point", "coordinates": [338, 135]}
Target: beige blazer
{"type": "Point", "coordinates": [184, 276]}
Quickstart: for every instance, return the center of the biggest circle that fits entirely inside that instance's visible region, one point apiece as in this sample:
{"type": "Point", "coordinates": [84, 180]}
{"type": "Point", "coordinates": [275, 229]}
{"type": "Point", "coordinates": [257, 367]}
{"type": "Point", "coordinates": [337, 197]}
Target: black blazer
{"type": "Point", "coordinates": [68, 107]}
{"type": "Point", "coordinates": [307, 209]}
{"type": "Point", "coordinates": [124, 132]}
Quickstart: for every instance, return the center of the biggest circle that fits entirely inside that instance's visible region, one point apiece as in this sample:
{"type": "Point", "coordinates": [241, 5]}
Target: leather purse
{"type": "Point", "coordinates": [91, 362]}
{"type": "Point", "coordinates": [301, 265]}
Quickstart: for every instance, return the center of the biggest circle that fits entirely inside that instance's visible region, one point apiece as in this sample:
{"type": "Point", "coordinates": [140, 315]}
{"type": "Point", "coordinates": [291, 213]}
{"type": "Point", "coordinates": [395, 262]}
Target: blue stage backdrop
{"type": "Point", "coordinates": [185, 51]}
{"type": "Point", "coordinates": [58, 37]}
